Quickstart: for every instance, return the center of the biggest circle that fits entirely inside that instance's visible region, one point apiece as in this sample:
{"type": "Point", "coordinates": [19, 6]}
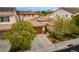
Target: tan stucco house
{"type": "Point", "coordinates": [40, 23]}
{"type": "Point", "coordinates": [7, 17]}
{"type": "Point", "coordinates": [66, 12]}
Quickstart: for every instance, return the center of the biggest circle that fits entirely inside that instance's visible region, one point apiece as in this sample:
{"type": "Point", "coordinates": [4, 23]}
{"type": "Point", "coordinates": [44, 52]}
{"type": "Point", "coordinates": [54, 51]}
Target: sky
{"type": "Point", "coordinates": [36, 8]}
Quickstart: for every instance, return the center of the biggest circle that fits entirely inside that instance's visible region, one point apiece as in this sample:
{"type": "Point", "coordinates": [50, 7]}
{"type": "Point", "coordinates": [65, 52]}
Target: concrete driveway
{"type": "Point", "coordinates": [41, 44]}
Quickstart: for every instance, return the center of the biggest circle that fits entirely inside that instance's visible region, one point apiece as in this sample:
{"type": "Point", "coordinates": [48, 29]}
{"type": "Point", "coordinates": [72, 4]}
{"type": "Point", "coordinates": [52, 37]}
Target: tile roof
{"type": "Point", "coordinates": [26, 12]}
{"type": "Point", "coordinates": [35, 23]}
{"type": "Point", "coordinates": [38, 21]}
{"type": "Point", "coordinates": [72, 10]}
{"type": "Point", "coordinates": [43, 19]}
{"type": "Point", "coordinates": [7, 9]}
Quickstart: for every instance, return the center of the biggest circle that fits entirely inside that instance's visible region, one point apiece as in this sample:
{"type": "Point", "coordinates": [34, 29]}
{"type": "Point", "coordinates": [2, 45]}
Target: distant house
{"type": "Point", "coordinates": [7, 17]}
{"type": "Point", "coordinates": [26, 15]}
{"type": "Point", "coordinates": [66, 12]}
{"type": "Point", "coordinates": [48, 15]}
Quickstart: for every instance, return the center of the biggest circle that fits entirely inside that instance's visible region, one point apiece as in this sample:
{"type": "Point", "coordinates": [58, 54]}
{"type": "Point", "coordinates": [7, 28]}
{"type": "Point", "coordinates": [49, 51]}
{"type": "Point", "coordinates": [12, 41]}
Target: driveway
{"type": "Point", "coordinates": [41, 44]}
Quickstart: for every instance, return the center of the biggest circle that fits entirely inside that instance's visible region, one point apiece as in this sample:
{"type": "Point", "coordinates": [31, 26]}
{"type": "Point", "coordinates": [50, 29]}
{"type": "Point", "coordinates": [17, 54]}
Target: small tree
{"type": "Point", "coordinates": [21, 36]}
{"type": "Point", "coordinates": [75, 24]}
{"type": "Point", "coordinates": [76, 19]}
{"type": "Point", "coordinates": [61, 28]}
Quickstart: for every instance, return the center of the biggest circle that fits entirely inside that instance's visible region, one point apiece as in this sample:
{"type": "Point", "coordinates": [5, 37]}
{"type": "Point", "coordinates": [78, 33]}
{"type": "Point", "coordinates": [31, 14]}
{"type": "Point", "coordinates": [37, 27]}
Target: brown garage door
{"type": "Point", "coordinates": [38, 30]}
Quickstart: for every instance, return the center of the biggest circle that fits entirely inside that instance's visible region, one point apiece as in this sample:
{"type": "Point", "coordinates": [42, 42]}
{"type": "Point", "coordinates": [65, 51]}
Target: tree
{"type": "Point", "coordinates": [20, 36]}
{"type": "Point", "coordinates": [76, 20]}
{"type": "Point", "coordinates": [61, 28]}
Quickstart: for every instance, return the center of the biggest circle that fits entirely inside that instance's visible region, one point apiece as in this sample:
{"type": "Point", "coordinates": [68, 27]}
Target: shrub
{"type": "Point", "coordinates": [76, 19]}
{"type": "Point", "coordinates": [75, 24]}
{"type": "Point", "coordinates": [20, 36]}
{"type": "Point", "coordinates": [63, 28]}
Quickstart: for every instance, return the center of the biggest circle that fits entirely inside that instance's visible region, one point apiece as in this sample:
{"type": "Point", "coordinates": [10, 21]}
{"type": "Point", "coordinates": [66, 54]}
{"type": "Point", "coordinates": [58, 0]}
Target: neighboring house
{"type": "Point", "coordinates": [38, 26]}
{"type": "Point", "coordinates": [47, 15]}
{"type": "Point", "coordinates": [40, 23]}
{"type": "Point", "coordinates": [7, 17]}
{"type": "Point", "coordinates": [66, 12]}
{"type": "Point", "coordinates": [26, 15]}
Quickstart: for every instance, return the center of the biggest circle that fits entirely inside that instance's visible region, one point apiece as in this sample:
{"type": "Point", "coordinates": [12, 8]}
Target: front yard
{"type": "Point", "coordinates": [62, 29]}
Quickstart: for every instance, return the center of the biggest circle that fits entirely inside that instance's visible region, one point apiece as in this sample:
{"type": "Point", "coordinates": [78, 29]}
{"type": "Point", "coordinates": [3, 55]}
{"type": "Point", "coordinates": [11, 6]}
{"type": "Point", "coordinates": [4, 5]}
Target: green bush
{"type": "Point", "coordinates": [75, 24]}
{"type": "Point", "coordinates": [76, 19]}
{"type": "Point", "coordinates": [55, 35]}
{"type": "Point", "coordinates": [63, 28]}
{"type": "Point", "coordinates": [20, 36]}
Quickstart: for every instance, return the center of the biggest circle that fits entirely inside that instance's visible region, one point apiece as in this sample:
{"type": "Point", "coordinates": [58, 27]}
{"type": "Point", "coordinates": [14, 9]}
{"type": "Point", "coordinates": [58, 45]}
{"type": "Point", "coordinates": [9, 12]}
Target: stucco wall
{"type": "Point", "coordinates": [12, 19]}
{"type": "Point", "coordinates": [76, 14]}
{"type": "Point", "coordinates": [62, 13]}
{"type": "Point", "coordinates": [4, 27]}
{"type": "Point", "coordinates": [7, 25]}
{"type": "Point", "coordinates": [27, 17]}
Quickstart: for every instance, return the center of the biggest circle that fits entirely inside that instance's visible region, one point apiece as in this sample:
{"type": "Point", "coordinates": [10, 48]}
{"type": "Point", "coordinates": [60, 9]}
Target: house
{"type": "Point", "coordinates": [48, 15]}
{"type": "Point", "coordinates": [26, 15]}
{"type": "Point", "coordinates": [7, 17]}
{"type": "Point", "coordinates": [39, 24]}
{"type": "Point", "coordinates": [66, 12]}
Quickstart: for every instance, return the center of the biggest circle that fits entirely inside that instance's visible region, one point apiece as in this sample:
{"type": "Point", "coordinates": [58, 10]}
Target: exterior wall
{"type": "Point", "coordinates": [27, 17]}
{"type": "Point", "coordinates": [12, 19]}
{"type": "Point", "coordinates": [39, 29]}
{"type": "Point", "coordinates": [76, 14]}
{"type": "Point", "coordinates": [62, 13]}
{"type": "Point", "coordinates": [7, 25]}
{"type": "Point", "coordinates": [4, 27]}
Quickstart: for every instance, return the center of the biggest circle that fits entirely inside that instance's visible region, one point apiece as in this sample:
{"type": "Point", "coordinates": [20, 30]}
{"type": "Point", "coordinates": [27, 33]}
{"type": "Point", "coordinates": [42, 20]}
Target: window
{"type": "Point", "coordinates": [4, 19]}
{"type": "Point", "coordinates": [66, 15]}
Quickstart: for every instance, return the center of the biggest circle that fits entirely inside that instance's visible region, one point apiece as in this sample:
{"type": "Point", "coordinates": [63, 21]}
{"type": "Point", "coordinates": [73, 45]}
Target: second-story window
{"type": "Point", "coordinates": [4, 19]}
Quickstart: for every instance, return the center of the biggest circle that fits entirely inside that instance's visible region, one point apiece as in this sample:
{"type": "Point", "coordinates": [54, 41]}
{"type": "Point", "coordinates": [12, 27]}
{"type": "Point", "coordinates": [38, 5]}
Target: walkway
{"type": "Point", "coordinates": [41, 43]}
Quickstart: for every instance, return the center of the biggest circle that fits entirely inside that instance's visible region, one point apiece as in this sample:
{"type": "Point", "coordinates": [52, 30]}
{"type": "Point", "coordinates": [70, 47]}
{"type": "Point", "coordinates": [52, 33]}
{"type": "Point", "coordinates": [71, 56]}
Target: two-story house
{"type": "Point", "coordinates": [7, 17]}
